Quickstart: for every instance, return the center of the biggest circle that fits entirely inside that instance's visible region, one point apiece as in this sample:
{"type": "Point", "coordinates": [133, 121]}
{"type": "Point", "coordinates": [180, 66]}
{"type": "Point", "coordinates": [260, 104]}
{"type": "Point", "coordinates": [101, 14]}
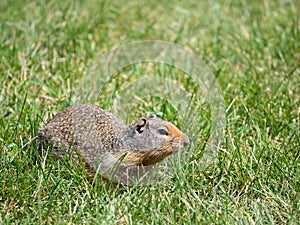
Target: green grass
{"type": "Point", "coordinates": [251, 46]}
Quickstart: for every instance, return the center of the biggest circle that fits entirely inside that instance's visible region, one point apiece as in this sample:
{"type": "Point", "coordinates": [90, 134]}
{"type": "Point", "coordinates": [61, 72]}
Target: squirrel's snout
{"type": "Point", "coordinates": [185, 140]}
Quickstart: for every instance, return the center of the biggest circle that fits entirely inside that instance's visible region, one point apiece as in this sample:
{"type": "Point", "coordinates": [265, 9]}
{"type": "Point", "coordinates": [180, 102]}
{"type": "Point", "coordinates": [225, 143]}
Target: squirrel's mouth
{"type": "Point", "coordinates": [183, 143]}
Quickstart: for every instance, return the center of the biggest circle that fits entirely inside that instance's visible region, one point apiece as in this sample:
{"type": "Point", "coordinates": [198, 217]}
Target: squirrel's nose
{"type": "Point", "coordinates": [185, 143]}
{"type": "Point", "coordinates": [185, 140]}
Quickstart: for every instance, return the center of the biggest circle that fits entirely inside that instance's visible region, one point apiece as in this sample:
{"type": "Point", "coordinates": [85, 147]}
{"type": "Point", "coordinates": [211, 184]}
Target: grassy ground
{"type": "Point", "coordinates": [251, 46]}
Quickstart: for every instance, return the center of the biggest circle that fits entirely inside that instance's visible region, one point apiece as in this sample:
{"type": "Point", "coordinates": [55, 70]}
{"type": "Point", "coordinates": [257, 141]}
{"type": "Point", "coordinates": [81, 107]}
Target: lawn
{"type": "Point", "coordinates": [47, 49]}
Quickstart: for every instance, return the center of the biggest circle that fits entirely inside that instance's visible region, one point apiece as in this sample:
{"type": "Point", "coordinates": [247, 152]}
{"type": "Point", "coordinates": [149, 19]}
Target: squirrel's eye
{"type": "Point", "coordinates": [162, 132]}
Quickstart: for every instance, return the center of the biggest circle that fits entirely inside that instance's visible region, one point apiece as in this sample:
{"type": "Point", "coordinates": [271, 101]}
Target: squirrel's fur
{"type": "Point", "coordinates": [100, 139]}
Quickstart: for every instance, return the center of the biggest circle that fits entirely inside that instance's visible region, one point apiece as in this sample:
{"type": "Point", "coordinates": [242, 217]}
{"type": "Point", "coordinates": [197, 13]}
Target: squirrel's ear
{"type": "Point", "coordinates": [140, 125]}
{"type": "Point", "coordinates": [152, 116]}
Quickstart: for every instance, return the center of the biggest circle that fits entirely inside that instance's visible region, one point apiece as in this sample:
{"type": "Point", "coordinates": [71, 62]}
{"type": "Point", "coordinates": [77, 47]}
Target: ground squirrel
{"type": "Point", "coordinates": [100, 139]}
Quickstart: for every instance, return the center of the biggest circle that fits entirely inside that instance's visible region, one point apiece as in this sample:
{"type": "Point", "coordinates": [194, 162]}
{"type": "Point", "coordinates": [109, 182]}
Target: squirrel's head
{"type": "Point", "coordinates": [151, 140]}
